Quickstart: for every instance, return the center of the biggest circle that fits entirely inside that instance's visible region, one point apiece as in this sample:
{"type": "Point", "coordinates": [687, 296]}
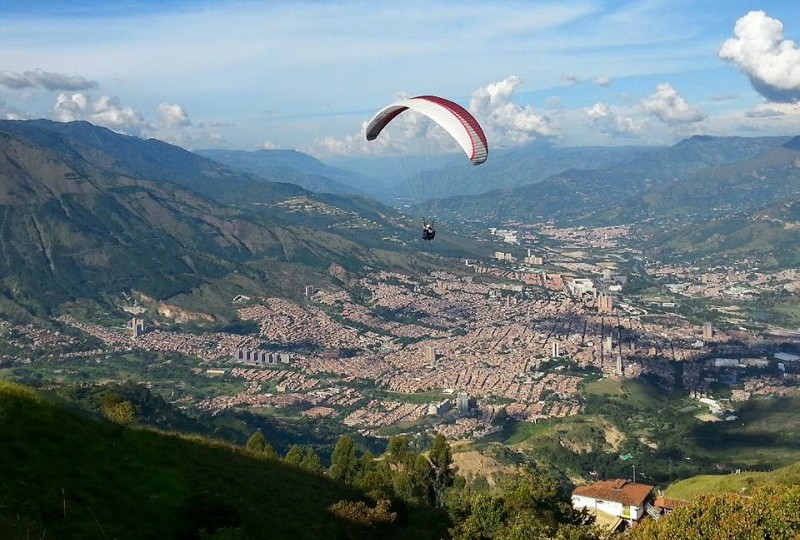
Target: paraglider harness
{"type": "Point", "coordinates": [428, 232]}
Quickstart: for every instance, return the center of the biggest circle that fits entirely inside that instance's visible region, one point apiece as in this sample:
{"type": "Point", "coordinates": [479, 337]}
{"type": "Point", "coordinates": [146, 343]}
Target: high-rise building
{"type": "Point", "coordinates": [708, 330]}
{"type": "Point", "coordinates": [608, 344]}
{"type": "Point", "coordinates": [260, 357]}
{"type": "Point", "coordinates": [430, 355]}
{"type": "Point", "coordinates": [556, 352]}
{"type": "Point", "coordinates": [309, 291]}
{"type": "Point", "coordinates": [136, 327]}
{"type": "Point", "coordinates": [605, 304]}
{"type": "Point", "coordinates": [619, 371]}
{"type": "Point", "coordinates": [462, 403]}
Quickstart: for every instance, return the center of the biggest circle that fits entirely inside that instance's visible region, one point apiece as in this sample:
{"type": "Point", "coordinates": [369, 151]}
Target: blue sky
{"type": "Point", "coordinates": [308, 74]}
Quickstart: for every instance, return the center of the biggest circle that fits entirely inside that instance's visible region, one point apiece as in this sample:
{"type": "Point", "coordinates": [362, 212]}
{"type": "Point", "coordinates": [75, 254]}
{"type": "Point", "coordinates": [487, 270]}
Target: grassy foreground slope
{"type": "Point", "coordinates": [733, 483]}
{"type": "Point", "coordinates": [66, 475]}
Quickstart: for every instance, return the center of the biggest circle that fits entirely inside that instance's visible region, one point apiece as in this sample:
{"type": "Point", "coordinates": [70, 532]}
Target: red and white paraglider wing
{"type": "Point", "coordinates": [452, 117]}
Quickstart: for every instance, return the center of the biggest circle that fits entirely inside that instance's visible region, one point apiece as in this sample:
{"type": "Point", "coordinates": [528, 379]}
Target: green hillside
{"type": "Point", "coordinates": [67, 475]}
{"type": "Point", "coordinates": [733, 483]}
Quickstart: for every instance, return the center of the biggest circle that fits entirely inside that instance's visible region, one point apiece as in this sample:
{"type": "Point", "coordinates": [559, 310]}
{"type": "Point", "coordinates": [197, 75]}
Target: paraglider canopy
{"type": "Point", "coordinates": [454, 118]}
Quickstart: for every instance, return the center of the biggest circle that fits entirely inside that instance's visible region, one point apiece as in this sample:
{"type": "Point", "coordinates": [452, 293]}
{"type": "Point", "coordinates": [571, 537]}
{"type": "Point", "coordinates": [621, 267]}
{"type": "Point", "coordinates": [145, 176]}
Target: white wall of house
{"type": "Point", "coordinates": [609, 507]}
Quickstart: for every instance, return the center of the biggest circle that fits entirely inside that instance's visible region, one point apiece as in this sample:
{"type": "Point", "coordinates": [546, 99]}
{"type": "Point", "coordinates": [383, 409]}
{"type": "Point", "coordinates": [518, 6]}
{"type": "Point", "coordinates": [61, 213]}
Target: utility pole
{"type": "Point", "coordinates": [634, 474]}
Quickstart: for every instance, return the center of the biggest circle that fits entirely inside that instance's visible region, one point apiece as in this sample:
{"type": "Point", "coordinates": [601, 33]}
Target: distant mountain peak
{"type": "Point", "coordinates": [695, 139]}
{"type": "Point", "coordinates": [794, 144]}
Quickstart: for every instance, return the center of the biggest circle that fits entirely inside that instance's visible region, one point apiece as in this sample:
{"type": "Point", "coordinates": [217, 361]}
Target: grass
{"type": "Point", "coordinates": [732, 483]}
{"type": "Point", "coordinates": [68, 475]}
{"type": "Point", "coordinates": [522, 431]}
{"type": "Point", "coordinates": [604, 386]}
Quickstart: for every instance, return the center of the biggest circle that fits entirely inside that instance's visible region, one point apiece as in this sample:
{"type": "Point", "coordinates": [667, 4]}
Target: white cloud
{"type": "Point", "coordinates": [608, 121]}
{"type": "Point", "coordinates": [669, 107]}
{"type": "Point", "coordinates": [172, 115]}
{"type": "Point", "coordinates": [507, 123]}
{"type": "Point", "coordinates": [44, 79]}
{"type": "Point", "coordinates": [104, 111]}
{"type": "Point", "coordinates": [771, 62]}
{"type": "Point", "coordinates": [772, 110]}
{"type": "Point", "coordinates": [504, 122]}
{"type": "Point", "coordinates": [603, 81]}
{"type": "Point", "coordinates": [268, 145]}
{"type": "Point", "coordinates": [173, 125]}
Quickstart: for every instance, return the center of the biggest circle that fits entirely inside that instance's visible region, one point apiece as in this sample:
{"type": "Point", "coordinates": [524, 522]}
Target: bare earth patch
{"type": "Point", "coordinates": [472, 464]}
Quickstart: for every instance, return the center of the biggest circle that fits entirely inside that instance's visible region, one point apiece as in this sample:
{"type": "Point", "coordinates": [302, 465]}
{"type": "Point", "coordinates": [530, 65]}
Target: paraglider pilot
{"type": "Point", "coordinates": [428, 231]}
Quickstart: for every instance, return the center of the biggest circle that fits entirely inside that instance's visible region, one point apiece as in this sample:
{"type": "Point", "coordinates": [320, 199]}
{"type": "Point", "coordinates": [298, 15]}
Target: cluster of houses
{"type": "Point", "coordinates": [617, 504]}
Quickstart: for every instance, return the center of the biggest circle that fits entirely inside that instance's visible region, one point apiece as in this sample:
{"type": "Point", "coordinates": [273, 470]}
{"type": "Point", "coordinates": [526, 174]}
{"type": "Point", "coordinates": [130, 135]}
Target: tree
{"type": "Point", "coordinates": [270, 452]}
{"type": "Point", "coordinates": [420, 474]}
{"type": "Point", "coordinates": [344, 464]}
{"type": "Point", "coordinates": [374, 477]}
{"type": "Point", "coordinates": [769, 512]}
{"type": "Point", "coordinates": [311, 462]}
{"type": "Point", "coordinates": [527, 507]}
{"type": "Point", "coordinates": [442, 468]}
{"type": "Point", "coordinates": [115, 409]}
{"type": "Point", "coordinates": [256, 442]}
{"type": "Point", "coordinates": [398, 450]}
{"type": "Point", "coordinates": [485, 519]}
{"type": "Point", "coordinates": [294, 456]}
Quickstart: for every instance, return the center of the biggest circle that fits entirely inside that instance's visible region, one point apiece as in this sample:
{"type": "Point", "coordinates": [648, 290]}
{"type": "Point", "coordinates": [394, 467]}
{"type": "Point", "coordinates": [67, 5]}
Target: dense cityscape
{"type": "Point", "coordinates": [519, 335]}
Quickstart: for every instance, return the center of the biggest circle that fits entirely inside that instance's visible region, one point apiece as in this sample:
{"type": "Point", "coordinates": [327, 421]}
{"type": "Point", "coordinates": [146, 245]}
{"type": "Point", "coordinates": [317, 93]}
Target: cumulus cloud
{"type": "Point", "coordinates": [104, 111]}
{"type": "Point", "coordinates": [603, 81]}
{"type": "Point", "coordinates": [569, 80]}
{"type": "Point", "coordinates": [608, 121]}
{"type": "Point", "coordinates": [39, 78]}
{"type": "Point", "coordinates": [669, 107]}
{"type": "Point", "coordinates": [268, 145]}
{"type": "Point", "coordinates": [771, 62]}
{"type": "Point", "coordinates": [773, 110]}
{"type": "Point", "coordinates": [172, 115]}
{"type": "Point", "coordinates": [506, 122]}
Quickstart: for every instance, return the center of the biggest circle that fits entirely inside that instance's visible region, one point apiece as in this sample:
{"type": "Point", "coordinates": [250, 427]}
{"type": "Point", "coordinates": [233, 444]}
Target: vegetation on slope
{"type": "Point", "coordinates": [742, 483]}
{"type": "Point", "coordinates": [66, 475]}
{"type": "Point", "coordinates": [769, 512]}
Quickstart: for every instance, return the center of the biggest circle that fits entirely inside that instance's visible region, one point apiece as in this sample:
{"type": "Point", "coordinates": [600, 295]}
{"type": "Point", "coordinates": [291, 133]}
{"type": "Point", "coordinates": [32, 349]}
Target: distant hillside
{"type": "Point", "coordinates": [67, 475]}
{"type": "Point", "coordinates": [292, 167]}
{"type": "Point", "coordinates": [702, 196]}
{"type": "Point", "coordinates": [88, 213]}
{"type": "Point", "coordinates": [118, 155]}
{"type": "Point", "coordinates": [691, 174]}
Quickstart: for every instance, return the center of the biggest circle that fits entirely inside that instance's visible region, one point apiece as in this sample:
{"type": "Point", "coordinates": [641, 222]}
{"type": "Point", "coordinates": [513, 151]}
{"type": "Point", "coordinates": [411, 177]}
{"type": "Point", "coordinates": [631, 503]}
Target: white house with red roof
{"type": "Point", "coordinates": [619, 498]}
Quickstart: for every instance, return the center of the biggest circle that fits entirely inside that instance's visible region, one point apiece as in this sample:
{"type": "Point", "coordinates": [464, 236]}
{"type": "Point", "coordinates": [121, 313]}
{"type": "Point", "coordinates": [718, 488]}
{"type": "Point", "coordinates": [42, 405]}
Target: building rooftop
{"type": "Point", "coordinates": [669, 503]}
{"type": "Point", "coordinates": [617, 490]}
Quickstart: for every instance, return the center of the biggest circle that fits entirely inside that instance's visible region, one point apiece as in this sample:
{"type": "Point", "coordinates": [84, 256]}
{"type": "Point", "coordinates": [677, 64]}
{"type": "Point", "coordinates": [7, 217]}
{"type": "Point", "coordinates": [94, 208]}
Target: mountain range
{"type": "Point", "coordinates": [293, 167]}
{"type": "Point", "coordinates": [702, 195]}
{"type": "Point", "coordinates": [88, 213]}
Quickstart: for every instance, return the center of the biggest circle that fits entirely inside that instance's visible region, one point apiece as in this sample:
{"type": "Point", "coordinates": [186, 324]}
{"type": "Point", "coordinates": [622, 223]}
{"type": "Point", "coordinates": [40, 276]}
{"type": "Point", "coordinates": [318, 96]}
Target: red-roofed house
{"type": "Point", "coordinates": [616, 497]}
{"type": "Point", "coordinates": [665, 505]}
